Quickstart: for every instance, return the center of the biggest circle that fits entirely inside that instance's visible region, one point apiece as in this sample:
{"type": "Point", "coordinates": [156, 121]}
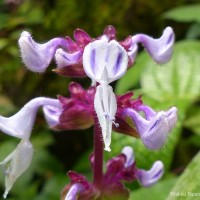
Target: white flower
{"type": "Point", "coordinates": [105, 62]}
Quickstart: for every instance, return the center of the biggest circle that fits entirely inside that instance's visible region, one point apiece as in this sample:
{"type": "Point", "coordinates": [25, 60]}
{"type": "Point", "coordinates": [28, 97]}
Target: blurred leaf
{"type": "Point", "coordinates": [186, 13]}
{"type": "Point", "coordinates": [193, 120]}
{"type": "Point", "coordinates": [3, 20]}
{"type": "Point", "coordinates": [3, 43]}
{"type": "Point", "coordinates": [188, 182]}
{"type": "Point", "coordinates": [53, 187]}
{"type": "Point", "coordinates": [177, 82]}
{"type": "Point", "coordinates": [6, 106]}
{"type": "Point", "coordinates": [193, 31]}
{"type": "Point", "coordinates": [132, 77]}
{"type": "Point", "coordinates": [159, 191]}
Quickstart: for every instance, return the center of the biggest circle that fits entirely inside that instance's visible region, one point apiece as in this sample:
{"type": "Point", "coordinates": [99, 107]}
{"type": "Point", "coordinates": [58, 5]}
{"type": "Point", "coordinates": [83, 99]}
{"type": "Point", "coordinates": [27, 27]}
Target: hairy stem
{"type": "Point", "coordinates": [98, 153]}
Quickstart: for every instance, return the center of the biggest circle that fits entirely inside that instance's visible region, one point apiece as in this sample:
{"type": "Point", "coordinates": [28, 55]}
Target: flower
{"type": "Point", "coordinates": [69, 54]}
{"type": "Point", "coordinates": [119, 169]}
{"type": "Point", "coordinates": [153, 130]}
{"type": "Point", "coordinates": [20, 125]}
{"type": "Point", "coordinates": [159, 49]}
{"type": "Point", "coordinates": [38, 56]}
{"type": "Point", "coordinates": [104, 62]}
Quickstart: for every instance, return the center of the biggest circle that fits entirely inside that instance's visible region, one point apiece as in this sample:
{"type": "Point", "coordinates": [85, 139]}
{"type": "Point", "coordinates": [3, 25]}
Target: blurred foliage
{"type": "Point", "coordinates": [186, 14]}
{"type": "Point", "coordinates": [176, 83]}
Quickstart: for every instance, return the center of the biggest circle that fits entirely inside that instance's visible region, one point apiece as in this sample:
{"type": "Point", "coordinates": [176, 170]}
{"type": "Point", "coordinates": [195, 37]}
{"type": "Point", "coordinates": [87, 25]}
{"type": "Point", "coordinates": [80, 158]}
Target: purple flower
{"type": "Point", "coordinates": [20, 125]}
{"type": "Point", "coordinates": [159, 49]}
{"type": "Point", "coordinates": [119, 169]}
{"type": "Point", "coordinates": [153, 130]}
{"type": "Point", "coordinates": [68, 53]}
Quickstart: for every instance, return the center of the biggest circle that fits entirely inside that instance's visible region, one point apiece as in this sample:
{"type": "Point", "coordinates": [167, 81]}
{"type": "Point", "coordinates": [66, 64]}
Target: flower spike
{"type": "Point", "coordinates": [36, 56]}
{"type": "Point", "coordinates": [155, 128]}
{"type": "Point", "coordinates": [159, 49]}
{"type": "Point", "coordinates": [15, 164]}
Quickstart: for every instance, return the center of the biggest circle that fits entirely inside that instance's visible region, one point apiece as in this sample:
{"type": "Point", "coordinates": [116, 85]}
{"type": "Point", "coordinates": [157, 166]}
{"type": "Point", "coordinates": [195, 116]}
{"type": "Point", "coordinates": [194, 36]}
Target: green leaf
{"type": "Point", "coordinates": [188, 183]}
{"type": "Point", "coordinates": [193, 120]}
{"type": "Point", "coordinates": [187, 13]}
{"type": "Point", "coordinates": [177, 82]}
{"type": "Point", "coordinates": [193, 31]}
{"type": "Point", "coordinates": [154, 192]}
{"type": "Point", "coordinates": [132, 77]}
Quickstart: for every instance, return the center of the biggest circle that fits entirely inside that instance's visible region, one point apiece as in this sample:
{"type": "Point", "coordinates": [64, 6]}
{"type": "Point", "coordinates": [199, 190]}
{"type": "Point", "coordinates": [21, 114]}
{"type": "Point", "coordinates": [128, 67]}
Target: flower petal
{"type": "Point", "coordinates": [159, 49]}
{"type": "Point", "coordinates": [52, 115]}
{"type": "Point", "coordinates": [17, 163]}
{"type": "Point", "coordinates": [116, 61]}
{"type": "Point", "coordinates": [110, 32]}
{"type": "Point", "coordinates": [94, 57]}
{"type": "Point", "coordinates": [21, 124]}
{"type": "Point", "coordinates": [148, 178]}
{"type": "Point", "coordinates": [36, 56]}
{"type": "Point", "coordinates": [74, 191]}
{"type": "Point", "coordinates": [64, 59]}
{"type": "Point", "coordinates": [105, 61]}
{"type": "Point", "coordinates": [154, 131]}
{"type": "Point", "coordinates": [128, 152]}
{"type": "Point", "coordinates": [81, 37]}
{"type": "Point", "coordinates": [105, 106]}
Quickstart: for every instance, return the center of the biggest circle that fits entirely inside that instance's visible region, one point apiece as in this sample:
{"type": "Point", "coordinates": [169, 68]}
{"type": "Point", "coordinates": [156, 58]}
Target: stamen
{"type": "Point", "coordinates": [112, 119]}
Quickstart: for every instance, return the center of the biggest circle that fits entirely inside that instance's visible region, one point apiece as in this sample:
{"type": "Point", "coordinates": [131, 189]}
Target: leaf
{"type": "Point", "coordinates": [177, 82]}
{"type": "Point", "coordinates": [193, 31]}
{"type": "Point", "coordinates": [188, 183]}
{"type": "Point", "coordinates": [187, 13]}
{"type": "Point", "coordinates": [6, 106]}
{"type": "Point", "coordinates": [193, 120]}
{"type": "Point", "coordinates": [154, 192]}
{"type": "Point", "coordinates": [132, 76]}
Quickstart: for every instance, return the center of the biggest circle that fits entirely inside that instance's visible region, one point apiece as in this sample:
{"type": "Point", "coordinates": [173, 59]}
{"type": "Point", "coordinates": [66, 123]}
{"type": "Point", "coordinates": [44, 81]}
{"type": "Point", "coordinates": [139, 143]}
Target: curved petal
{"type": "Point", "coordinates": [150, 177]}
{"type": "Point", "coordinates": [21, 124]}
{"type": "Point", "coordinates": [159, 49]}
{"type": "Point", "coordinates": [132, 52]}
{"type": "Point", "coordinates": [129, 153]}
{"type": "Point", "coordinates": [37, 57]}
{"type": "Point", "coordinates": [17, 163]}
{"type": "Point", "coordinates": [154, 131]}
{"type": "Point", "coordinates": [94, 57]}
{"type": "Point", "coordinates": [74, 191]}
{"type": "Point", "coordinates": [105, 61]}
{"type": "Point", "coordinates": [116, 61]}
{"type": "Point", "coordinates": [52, 115]}
{"type": "Point", "coordinates": [63, 59]}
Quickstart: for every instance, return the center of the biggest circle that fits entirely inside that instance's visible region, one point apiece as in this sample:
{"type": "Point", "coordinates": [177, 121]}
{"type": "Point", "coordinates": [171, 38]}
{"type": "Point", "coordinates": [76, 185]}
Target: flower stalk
{"type": "Point", "coordinates": [98, 155]}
